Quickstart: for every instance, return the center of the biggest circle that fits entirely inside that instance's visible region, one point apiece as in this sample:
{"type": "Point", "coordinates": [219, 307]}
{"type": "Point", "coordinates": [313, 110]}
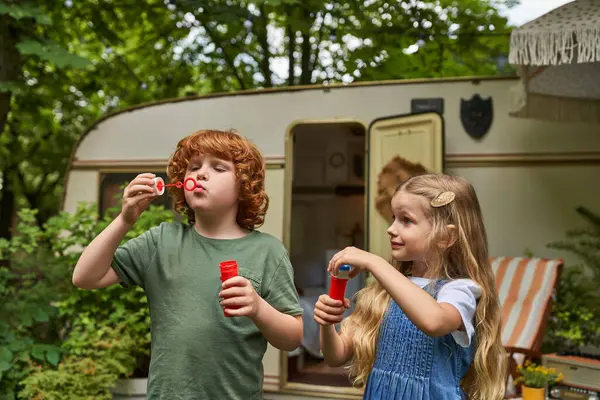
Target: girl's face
{"type": "Point", "coordinates": [219, 190]}
{"type": "Point", "coordinates": [411, 228]}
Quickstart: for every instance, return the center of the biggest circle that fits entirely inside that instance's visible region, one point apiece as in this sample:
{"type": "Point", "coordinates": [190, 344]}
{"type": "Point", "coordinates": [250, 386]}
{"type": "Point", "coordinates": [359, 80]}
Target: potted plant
{"type": "Point", "coordinates": [535, 379]}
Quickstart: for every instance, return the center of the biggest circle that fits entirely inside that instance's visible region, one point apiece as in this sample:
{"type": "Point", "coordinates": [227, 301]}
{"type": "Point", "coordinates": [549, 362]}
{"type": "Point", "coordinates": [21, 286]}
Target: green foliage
{"type": "Point", "coordinates": [25, 11]}
{"type": "Point", "coordinates": [584, 243]}
{"type": "Point", "coordinates": [13, 87]}
{"type": "Point", "coordinates": [46, 50]}
{"type": "Point", "coordinates": [29, 321]}
{"type": "Point", "coordinates": [98, 356]}
{"type": "Point", "coordinates": [331, 41]}
{"type": "Point", "coordinates": [431, 39]}
{"type": "Point", "coordinates": [51, 52]}
{"type": "Point", "coordinates": [128, 58]}
{"type": "Point", "coordinates": [575, 318]}
{"type": "Point", "coordinates": [45, 318]}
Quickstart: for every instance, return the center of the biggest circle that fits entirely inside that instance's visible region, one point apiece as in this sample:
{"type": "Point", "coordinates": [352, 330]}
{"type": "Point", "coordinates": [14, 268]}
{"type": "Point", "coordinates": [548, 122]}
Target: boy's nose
{"type": "Point", "coordinates": [201, 175]}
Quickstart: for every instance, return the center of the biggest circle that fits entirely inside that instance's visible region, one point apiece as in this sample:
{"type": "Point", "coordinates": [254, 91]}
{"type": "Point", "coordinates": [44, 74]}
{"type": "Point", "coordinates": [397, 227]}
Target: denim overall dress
{"type": "Point", "coordinates": [413, 366]}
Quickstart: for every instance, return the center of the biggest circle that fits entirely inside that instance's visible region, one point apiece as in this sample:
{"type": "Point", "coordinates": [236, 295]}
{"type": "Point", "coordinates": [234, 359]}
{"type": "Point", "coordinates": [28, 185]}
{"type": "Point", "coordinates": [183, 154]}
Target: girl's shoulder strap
{"type": "Point", "coordinates": [434, 286]}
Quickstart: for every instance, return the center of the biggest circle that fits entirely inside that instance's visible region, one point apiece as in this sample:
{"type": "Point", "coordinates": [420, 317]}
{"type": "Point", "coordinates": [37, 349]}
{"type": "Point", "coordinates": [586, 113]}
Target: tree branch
{"type": "Point", "coordinates": [7, 209]}
{"type": "Point", "coordinates": [31, 196]}
{"type": "Point", "coordinates": [10, 63]}
{"type": "Point", "coordinates": [102, 39]}
{"type": "Point", "coordinates": [306, 76]}
{"type": "Point", "coordinates": [291, 34]}
{"type": "Point", "coordinates": [12, 124]}
{"type": "Point", "coordinates": [226, 56]}
{"type": "Point", "coordinates": [315, 56]}
{"type": "Point", "coordinates": [263, 40]}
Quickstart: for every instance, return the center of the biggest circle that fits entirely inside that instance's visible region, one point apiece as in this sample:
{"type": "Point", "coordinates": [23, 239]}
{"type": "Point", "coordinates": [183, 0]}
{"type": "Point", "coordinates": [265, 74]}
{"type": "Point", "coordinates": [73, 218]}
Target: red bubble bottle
{"type": "Point", "coordinates": [229, 269]}
{"type": "Point", "coordinates": [337, 288]}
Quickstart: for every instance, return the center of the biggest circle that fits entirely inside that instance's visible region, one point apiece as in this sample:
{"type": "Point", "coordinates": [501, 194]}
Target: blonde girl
{"type": "Point", "coordinates": [428, 327]}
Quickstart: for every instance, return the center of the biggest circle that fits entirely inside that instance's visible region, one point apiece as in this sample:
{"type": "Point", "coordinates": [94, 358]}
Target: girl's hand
{"type": "Point", "coordinates": [137, 196]}
{"type": "Point", "coordinates": [239, 297]}
{"type": "Point", "coordinates": [359, 260]}
{"type": "Point", "coordinates": [329, 311]}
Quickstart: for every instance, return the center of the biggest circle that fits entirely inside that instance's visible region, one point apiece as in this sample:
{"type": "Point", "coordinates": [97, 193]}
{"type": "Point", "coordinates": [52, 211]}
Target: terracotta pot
{"type": "Point", "coordinates": [533, 393]}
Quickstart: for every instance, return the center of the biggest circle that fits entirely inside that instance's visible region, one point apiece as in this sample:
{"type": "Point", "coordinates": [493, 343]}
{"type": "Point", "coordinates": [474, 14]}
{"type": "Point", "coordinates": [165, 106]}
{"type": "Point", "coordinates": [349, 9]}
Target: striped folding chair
{"type": "Point", "coordinates": [525, 287]}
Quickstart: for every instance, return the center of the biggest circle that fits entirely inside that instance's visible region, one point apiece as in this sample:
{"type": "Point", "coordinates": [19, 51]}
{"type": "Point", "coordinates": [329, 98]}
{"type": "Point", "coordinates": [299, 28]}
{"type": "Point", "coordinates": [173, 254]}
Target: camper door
{"type": "Point", "coordinates": [416, 138]}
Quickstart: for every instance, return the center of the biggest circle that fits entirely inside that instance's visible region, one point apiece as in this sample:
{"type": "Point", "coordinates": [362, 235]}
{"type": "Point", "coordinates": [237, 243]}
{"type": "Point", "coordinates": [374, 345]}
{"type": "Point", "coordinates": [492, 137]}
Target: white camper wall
{"type": "Point", "coordinates": [527, 207]}
{"type": "Point", "coordinates": [82, 186]}
{"type": "Point", "coordinates": [153, 131]}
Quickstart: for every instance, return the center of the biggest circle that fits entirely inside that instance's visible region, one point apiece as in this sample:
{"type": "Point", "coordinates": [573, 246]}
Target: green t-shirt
{"type": "Point", "coordinates": [197, 352]}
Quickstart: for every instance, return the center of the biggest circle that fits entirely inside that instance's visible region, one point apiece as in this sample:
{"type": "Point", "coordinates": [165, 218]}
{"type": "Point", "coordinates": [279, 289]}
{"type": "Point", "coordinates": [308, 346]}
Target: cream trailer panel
{"type": "Point", "coordinates": [151, 132]}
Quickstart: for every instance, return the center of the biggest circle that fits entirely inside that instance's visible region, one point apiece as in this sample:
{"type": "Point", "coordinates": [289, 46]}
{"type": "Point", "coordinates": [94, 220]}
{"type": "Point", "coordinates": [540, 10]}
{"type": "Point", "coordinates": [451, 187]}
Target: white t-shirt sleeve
{"type": "Point", "coordinates": [462, 294]}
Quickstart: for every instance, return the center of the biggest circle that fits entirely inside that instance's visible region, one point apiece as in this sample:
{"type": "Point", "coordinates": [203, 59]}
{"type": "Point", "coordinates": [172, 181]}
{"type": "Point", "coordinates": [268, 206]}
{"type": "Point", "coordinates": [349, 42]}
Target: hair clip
{"type": "Point", "coordinates": [442, 199]}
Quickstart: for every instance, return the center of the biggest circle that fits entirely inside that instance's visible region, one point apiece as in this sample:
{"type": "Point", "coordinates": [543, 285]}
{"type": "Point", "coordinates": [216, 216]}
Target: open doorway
{"type": "Point", "coordinates": [327, 214]}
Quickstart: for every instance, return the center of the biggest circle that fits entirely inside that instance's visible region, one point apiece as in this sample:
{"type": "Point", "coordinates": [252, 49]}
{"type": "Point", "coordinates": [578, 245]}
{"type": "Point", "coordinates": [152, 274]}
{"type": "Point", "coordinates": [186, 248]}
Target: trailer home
{"type": "Point", "coordinates": [325, 147]}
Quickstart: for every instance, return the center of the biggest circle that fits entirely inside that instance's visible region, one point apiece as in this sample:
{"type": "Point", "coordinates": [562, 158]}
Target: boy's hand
{"type": "Point", "coordinates": [239, 293]}
{"type": "Point", "coordinates": [137, 196]}
{"type": "Point", "coordinates": [329, 311]}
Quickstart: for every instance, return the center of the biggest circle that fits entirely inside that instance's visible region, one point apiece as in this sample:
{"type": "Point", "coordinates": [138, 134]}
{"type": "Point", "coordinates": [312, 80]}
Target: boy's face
{"type": "Point", "coordinates": [220, 189]}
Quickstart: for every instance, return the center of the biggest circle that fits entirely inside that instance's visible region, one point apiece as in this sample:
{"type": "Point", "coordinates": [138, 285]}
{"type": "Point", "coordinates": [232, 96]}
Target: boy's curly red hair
{"type": "Point", "coordinates": [249, 170]}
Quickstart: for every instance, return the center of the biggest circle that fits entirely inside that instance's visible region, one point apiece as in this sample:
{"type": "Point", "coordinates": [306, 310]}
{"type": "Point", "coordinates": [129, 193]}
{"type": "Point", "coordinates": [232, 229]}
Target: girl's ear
{"type": "Point", "coordinates": [450, 237]}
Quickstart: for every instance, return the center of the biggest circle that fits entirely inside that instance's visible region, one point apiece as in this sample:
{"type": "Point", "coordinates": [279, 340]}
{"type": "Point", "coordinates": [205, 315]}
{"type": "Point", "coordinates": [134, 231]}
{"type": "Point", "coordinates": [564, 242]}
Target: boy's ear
{"type": "Point", "coordinates": [450, 238]}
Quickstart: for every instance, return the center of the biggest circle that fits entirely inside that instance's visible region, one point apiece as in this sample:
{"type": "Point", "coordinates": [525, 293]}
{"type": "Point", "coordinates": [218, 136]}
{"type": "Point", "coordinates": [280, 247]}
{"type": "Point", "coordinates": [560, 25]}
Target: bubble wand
{"type": "Point", "coordinates": [188, 184]}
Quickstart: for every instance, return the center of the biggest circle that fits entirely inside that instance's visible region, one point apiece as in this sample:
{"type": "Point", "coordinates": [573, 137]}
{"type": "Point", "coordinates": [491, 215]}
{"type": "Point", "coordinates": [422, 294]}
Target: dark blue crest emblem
{"type": "Point", "coordinates": [476, 115]}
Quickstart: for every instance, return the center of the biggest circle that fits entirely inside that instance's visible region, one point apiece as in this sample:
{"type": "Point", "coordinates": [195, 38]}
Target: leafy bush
{"type": "Point", "coordinates": [97, 357]}
{"type": "Point", "coordinates": [44, 318]}
{"type": "Point", "coordinates": [29, 320]}
{"type": "Point", "coordinates": [575, 320]}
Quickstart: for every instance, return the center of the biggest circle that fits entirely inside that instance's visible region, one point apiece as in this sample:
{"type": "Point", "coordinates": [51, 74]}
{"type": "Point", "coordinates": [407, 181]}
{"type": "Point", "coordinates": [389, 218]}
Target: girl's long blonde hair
{"type": "Point", "coordinates": [466, 258]}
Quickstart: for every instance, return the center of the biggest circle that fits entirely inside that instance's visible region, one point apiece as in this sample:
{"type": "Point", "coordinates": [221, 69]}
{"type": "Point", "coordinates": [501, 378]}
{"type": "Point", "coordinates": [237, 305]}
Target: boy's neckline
{"type": "Point", "coordinates": [228, 240]}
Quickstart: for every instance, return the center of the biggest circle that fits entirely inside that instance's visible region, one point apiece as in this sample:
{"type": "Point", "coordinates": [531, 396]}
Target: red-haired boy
{"type": "Point", "coordinates": [197, 352]}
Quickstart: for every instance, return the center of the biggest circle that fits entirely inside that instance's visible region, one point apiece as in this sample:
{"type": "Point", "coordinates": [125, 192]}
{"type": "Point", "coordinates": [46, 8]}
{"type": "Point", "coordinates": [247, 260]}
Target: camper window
{"type": "Point", "coordinates": [112, 185]}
